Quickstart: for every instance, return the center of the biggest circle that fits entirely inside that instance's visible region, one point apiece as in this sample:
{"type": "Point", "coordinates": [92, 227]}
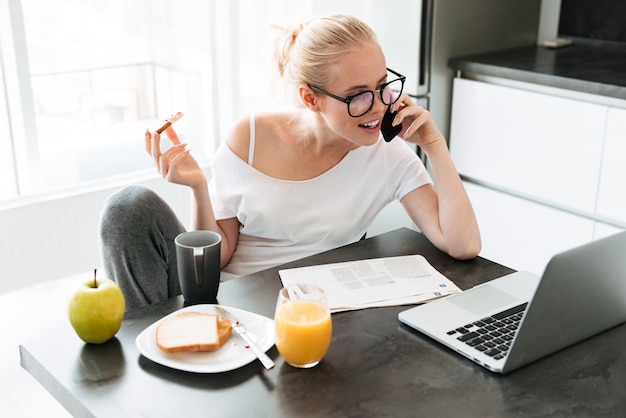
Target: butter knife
{"type": "Point", "coordinates": [240, 329]}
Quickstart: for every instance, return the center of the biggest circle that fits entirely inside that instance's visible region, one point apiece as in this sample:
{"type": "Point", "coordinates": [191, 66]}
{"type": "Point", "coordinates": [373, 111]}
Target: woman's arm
{"type": "Point", "coordinates": [178, 166]}
{"type": "Point", "coordinates": [203, 217]}
{"type": "Point", "coordinates": [444, 214]}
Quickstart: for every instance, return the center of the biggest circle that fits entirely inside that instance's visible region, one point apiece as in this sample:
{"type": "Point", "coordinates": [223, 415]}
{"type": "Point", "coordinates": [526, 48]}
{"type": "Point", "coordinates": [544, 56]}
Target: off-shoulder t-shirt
{"type": "Point", "coordinates": [283, 220]}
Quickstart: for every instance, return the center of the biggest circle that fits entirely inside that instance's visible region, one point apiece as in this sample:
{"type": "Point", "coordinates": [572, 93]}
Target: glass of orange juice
{"type": "Point", "coordinates": [303, 325]}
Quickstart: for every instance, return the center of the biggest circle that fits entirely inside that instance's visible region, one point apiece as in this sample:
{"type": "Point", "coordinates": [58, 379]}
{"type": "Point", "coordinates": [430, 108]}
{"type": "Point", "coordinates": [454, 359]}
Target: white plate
{"type": "Point", "coordinates": [233, 354]}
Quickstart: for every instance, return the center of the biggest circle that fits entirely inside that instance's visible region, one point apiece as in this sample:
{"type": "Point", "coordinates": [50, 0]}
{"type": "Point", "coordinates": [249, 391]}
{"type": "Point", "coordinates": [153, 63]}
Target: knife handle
{"type": "Point", "coordinates": [267, 362]}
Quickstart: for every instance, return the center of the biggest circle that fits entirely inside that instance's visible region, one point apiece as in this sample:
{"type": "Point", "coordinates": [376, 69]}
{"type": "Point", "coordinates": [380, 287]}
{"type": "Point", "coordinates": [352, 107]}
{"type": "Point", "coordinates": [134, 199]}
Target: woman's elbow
{"type": "Point", "coordinates": [466, 250]}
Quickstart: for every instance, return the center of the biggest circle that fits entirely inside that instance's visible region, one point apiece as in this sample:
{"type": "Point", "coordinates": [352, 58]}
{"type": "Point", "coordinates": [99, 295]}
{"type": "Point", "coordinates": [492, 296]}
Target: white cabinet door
{"type": "Point", "coordinates": [521, 234]}
{"type": "Point", "coordinates": [528, 143]}
{"type": "Point", "coordinates": [612, 193]}
{"type": "Point", "coordinates": [602, 230]}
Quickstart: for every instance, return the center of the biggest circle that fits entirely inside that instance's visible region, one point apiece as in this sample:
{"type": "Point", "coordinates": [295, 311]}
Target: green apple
{"type": "Point", "coordinates": [96, 310]}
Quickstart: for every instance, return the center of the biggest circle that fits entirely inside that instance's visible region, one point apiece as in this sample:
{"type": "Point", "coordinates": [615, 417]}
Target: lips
{"type": "Point", "coordinates": [371, 125]}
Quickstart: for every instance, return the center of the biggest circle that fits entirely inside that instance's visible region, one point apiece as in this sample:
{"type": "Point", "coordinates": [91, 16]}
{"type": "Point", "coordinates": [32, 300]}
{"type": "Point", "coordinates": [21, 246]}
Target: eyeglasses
{"type": "Point", "coordinates": [361, 103]}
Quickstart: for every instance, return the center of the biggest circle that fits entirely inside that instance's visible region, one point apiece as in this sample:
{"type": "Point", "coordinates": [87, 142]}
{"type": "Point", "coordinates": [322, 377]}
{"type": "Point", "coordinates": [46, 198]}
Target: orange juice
{"type": "Point", "coordinates": [303, 332]}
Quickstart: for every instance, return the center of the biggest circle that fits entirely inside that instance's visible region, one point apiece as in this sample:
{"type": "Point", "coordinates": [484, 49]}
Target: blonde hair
{"type": "Point", "coordinates": [306, 53]}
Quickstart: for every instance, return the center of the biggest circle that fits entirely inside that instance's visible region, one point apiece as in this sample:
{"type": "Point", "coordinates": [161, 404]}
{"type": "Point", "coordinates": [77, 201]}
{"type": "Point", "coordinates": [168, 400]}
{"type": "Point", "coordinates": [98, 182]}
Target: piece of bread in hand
{"type": "Point", "coordinates": [170, 122]}
{"type": "Point", "coordinates": [192, 331]}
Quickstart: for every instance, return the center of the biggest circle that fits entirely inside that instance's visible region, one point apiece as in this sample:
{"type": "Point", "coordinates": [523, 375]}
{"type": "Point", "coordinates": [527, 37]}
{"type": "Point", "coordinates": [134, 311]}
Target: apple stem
{"type": "Point", "coordinates": [95, 284]}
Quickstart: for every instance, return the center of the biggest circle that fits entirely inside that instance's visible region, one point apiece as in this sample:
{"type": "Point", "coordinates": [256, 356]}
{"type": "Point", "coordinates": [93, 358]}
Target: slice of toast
{"type": "Point", "coordinates": [224, 329]}
{"type": "Point", "coordinates": [192, 331]}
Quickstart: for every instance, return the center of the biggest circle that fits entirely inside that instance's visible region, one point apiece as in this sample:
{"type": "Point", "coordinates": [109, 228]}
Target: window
{"type": "Point", "coordinates": [83, 80]}
{"type": "Point", "coordinates": [7, 168]}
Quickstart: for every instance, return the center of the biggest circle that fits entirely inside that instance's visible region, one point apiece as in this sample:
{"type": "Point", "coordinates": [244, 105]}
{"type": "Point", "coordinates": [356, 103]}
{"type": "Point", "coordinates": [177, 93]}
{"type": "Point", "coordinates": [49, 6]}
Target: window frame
{"type": "Point", "coordinates": [19, 96]}
{"type": "Point", "coordinates": [22, 118]}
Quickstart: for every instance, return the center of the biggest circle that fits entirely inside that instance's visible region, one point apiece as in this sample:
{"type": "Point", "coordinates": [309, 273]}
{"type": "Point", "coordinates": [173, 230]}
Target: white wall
{"type": "Point", "coordinates": [58, 237]}
{"type": "Point", "coordinates": [391, 217]}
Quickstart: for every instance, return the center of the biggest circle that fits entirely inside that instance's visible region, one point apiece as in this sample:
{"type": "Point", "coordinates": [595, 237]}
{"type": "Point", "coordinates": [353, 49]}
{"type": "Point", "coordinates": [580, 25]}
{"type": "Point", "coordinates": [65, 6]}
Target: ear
{"type": "Point", "coordinates": [308, 97]}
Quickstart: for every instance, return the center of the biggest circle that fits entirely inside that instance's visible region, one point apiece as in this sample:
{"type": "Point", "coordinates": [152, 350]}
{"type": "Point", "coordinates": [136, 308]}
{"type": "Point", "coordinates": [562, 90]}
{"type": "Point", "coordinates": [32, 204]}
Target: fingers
{"type": "Point", "coordinates": [405, 102]}
{"type": "Point", "coordinates": [152, 144]}
{"type": "Point", "coordinates": [148, 141]}
{"type": "Point", "coordinates": [175, 162]}
{"type": "Point", "coordinates": [420, 118]}
{"type": "Point", "coordinates": [407, 110]}
{"type": "Point", "coordinates": [172, 135]}
{"type": "Point", "coordinates": [162, 160]}
{"type": "Point", "coordinates": [412, 116]}
{"type": "Point", "coordinates": [166, 159]}
{"type": "Point", "coordinates": [402, 102]}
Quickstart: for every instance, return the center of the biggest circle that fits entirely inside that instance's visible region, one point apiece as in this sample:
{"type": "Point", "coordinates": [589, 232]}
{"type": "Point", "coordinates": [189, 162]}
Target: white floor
{"type": "Point", "coordinates": [27, 314]}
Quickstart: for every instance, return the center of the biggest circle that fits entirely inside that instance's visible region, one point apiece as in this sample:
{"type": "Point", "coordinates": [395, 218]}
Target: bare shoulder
{"type": "Point", "coordinates": [272, 126]}
{"type": "Point", "coordinates": [238, 138]}
{"type": "Point", "coordinates": [268, 127]}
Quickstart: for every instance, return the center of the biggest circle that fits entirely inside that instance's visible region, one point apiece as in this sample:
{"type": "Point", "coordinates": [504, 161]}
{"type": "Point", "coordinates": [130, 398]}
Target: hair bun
{"type": "Point", "coordinates": [284, 45]}
{"type": "Point", "coordinates": [305, 52]}
{"type": "Point", "coordinates": [296, 32]}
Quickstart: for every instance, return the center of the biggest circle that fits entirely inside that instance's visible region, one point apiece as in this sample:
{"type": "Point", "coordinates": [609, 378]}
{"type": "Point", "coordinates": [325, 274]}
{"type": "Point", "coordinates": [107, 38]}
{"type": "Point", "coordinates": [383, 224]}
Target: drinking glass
{"type": "Point", "coordinates": [303, 325]}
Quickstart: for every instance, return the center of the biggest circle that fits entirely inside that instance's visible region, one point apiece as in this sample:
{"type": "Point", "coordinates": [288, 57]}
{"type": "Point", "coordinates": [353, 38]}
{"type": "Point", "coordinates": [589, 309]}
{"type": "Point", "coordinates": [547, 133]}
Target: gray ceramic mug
{"type": "Point", "coordinates": [198, 258]}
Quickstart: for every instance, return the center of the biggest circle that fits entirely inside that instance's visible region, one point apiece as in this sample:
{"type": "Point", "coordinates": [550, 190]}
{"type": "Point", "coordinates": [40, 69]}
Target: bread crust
{"type": "Point", "coordinates": [170, 121]}
{"type": "Point", "coordinates": [192, 331]}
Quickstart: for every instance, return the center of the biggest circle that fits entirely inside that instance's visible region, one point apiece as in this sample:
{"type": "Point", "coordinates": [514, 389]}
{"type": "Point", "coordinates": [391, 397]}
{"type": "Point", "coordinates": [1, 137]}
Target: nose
{"type": "Point", "coordinates": [378, 101]}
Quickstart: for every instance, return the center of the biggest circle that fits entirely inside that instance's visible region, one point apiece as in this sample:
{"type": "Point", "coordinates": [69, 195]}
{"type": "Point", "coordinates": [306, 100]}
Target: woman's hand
{"type": "Point", "coordinates": [176, 164]}
{"type": "Point", "coordinates": [418, 126]}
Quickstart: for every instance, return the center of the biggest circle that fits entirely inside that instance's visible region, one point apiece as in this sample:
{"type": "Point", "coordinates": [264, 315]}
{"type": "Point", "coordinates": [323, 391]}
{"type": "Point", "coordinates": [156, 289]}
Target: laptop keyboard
{"type": "Point", "coordinates": [492, 335]}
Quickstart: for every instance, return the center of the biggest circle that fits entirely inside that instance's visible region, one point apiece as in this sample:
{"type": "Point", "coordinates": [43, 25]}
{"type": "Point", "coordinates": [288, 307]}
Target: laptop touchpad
{"type": "Point", "coordinates": [483, 300]}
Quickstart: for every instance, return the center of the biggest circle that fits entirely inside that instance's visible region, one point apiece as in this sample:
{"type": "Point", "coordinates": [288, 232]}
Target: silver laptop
{"type": "Point", "coordinates": [511, 321]}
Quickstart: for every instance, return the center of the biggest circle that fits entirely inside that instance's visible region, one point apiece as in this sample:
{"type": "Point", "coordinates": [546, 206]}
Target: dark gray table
{"type": "Point", "coordinates": [375, 366]}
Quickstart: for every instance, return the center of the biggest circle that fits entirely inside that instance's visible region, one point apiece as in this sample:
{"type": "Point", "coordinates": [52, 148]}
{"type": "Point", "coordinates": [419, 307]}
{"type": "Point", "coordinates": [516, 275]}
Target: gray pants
{"type": "Point", "coordinates": [137, 232]}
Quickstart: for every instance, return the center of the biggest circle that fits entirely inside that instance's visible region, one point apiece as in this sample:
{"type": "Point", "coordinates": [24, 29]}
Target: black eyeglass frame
{"type": "Point", "coordinates": [349, 99]}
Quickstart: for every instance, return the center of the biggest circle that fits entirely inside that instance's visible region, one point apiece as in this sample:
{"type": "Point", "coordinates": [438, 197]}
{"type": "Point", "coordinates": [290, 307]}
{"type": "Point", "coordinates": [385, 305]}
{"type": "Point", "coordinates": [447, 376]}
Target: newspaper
{"type": "Point", "coordinates": [374, 282]}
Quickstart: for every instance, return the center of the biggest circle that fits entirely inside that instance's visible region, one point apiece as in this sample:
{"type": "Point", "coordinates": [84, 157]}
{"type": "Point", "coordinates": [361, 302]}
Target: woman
{"type": "Point", "coordinates": [288, 185]}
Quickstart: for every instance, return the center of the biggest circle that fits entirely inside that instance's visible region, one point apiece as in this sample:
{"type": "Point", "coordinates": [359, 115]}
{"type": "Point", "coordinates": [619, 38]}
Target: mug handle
{"type": "Point", "coordinates": [198, 255]}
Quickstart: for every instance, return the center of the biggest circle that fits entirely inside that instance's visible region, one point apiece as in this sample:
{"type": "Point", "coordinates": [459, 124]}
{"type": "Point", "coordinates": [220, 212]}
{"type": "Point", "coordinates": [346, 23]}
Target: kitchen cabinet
{"type": "Point", "coordinates": [545, 147]}
{"type": "Point", "coordinates": [612, 189]}
{"type": "Point", "coordinates": [540, 168]}
{"type": "Point", "coordinates": [523, 234]}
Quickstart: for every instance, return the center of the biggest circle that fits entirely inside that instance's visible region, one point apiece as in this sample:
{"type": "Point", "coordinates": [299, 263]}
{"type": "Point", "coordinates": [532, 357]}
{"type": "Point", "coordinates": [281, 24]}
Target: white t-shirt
{"type": "Point", "coordinates": [282, 220]}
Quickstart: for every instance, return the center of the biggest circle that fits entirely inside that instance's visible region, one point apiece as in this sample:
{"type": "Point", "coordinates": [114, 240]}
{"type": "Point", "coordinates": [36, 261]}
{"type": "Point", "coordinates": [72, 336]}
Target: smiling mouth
{"type": "Point", "coordinates": [371, 124]}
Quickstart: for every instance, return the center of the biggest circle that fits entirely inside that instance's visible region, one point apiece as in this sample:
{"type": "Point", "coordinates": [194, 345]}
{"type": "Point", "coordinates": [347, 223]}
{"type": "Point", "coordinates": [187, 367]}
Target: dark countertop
{"type": "Point", "coordinates": [585, 68]}
{"type": "Point", "coordinates": [375, 367]}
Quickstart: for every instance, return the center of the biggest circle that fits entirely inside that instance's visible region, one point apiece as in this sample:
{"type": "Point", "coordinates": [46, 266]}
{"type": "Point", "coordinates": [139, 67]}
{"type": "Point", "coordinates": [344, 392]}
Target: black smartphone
{"type": "Point", "coordinates": [388, 130]}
